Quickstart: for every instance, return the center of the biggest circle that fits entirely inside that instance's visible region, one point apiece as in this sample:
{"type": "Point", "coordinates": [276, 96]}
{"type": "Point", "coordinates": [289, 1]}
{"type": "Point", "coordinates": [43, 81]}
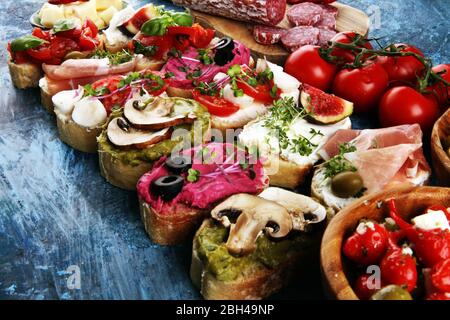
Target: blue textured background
{"type": "Point", "coordinates": [56, 210]}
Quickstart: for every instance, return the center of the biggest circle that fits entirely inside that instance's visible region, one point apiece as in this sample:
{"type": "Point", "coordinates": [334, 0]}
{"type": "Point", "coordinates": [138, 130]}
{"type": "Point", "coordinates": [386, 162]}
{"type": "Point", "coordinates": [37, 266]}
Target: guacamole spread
{"type": "Point", "coordinates": [211, 240]}
{"type": "Point", "coordinates": [135, 156]}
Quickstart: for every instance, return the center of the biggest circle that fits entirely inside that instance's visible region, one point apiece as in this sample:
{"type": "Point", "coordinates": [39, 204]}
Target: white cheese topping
{"type": "Point", "coordinates": [64, 101]}
{"type": "Point", "coordinates": [89, 112]}
{"type": "Point", "coordinates": [407, 251]}
{"type": "Point", "coordinates": [432, 220]}
{"type": "Point", "coordinates": [113, 34]}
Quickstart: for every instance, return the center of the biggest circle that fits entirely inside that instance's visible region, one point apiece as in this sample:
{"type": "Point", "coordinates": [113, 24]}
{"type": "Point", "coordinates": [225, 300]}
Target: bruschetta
{"type": "Point", "coordinates": [28, 53]}
{"type": "Point", "coordinates": [253, 246]}
{"type": "Point", "coordinates": [291, 134]}
{"type": "Point", "coordinates": [181, 189]}
{"type": "Point", "coordinates": [359, 163]}
{"type": "Point", "coordinates": [144, 131]}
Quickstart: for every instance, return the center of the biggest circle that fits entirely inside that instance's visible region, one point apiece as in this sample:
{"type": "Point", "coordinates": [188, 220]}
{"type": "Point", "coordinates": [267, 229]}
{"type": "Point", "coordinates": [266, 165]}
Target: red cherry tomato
{"type": "Point", "coordinates": [41, 53]}
{"type": "Point", "coordinates": [74, 33]}
{"type": "Point", "coordinates": [216, 106]}
{"type": "Point", "coordinates": [440, 276]}
{"type": "Point", "coordinates": [347, 37]}
{"type": "Point", "coordinates": [363, 86]}
{"type": "Point", "coordinates": [404, 105]}
{"type": "Point", "coordinates": [111, 83]}
{"type": "Point", "coordinates": [59, 47]}
{"type": "Point", "coordinates": [41, 34]}
{"type": "Point", "coordinates": [398, 268]}
{"type": "Point", "coordinates": [362, 289]}
{"type": "Point", "coordinates": [438, 296]}
{"type": "Point", "coordinates": [309, 67]}
{"type": "Point", "coordinates": [260, 92]}
{"type": "Point", "coordinates": [405, 69]}
{"type": "Point", "coordinates": [440, 89]}
{"type": "Point", "coordinates": [367, 245]}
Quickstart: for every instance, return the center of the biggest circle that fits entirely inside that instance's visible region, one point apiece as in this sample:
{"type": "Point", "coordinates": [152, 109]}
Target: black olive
{"type": "Point", "coordinates": [167, 187]}
{"type": "Point", "coordinates": [178, 164]}
{"type": "Point", "coordinates": [224, 51]}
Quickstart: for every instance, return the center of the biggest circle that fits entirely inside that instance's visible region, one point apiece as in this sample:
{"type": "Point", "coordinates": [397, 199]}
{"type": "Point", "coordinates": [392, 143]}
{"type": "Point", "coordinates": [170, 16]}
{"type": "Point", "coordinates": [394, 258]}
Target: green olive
{"type": "Point", "coordinates": [391, 292]}
{"type": "Point", "coordinates": [346, 184]}
{"type": "Point", "coordinates": [75, 55]}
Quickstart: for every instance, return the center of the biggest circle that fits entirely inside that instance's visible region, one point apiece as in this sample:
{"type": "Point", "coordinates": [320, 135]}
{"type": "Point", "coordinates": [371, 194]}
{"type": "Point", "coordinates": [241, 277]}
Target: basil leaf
{"type": "Point", "coordinates": [182, 19]}
{"type": "Point", "coordinates": [156, 27]}
{"type": "Point", "coordinates": [26, 42]}
{"type": "Point", "coordinates": [64, 25]}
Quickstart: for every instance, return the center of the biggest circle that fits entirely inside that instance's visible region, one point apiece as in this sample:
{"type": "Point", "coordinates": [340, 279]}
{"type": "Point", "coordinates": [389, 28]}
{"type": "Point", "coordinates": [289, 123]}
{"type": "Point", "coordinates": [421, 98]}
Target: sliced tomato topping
{"type": "Point", "coordinates": [74, 33]}
{"type": "Point", "coordinates": [89, 24]}
{"type": "Point", "coordinates": [60, 46]}
{"type": "Point", "coordinates": [199, 37]}
{"type": "Point", "coordinates": [111, 84]}
{"type": "Point", "coordinates": [41, 53]}
{"type": "Point", "coordinates": [260, 92]}
{"type": "Point", "coordinates": [163, 44]}
{"type": "Point", "coordinates": [41, 34]}
{"type": "Point", "coordinates": [216, 105]}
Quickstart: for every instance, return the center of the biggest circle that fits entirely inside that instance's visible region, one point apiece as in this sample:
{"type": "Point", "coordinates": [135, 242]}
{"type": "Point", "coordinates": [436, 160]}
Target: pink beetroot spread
{"type": "Point", "coordinates": [188, 68]}
{"type": "Point", "coordinates": [221, 175]}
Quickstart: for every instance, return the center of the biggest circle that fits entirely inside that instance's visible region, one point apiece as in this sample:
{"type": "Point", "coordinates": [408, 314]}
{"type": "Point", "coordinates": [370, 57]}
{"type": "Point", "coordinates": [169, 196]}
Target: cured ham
{"type": "Point", "coordinates": [79, 72]}
{"type": "Point", "coordinates": [383, 157]}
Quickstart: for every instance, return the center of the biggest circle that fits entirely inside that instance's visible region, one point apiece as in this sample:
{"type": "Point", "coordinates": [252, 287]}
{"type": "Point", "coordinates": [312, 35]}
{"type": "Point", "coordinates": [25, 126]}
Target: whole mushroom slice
{"type": "Point", "coordinates": [257, 215]}
{"type": "Point", "coordinates": [124, 136]}
{"type": "Point", "coordinates": [154, 114]}
{"type": "Point", "coordinates": [298, 206]}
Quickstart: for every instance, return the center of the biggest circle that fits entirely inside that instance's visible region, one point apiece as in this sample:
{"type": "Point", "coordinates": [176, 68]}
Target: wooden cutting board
{"type": "Point", "coordinates": [349, 19]}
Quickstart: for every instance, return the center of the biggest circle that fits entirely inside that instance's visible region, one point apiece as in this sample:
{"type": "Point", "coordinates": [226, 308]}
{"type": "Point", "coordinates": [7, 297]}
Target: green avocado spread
{"type": "Point", "coordinates": [210, 242]}
{"type": "Point", "coordinates": [136, 156]}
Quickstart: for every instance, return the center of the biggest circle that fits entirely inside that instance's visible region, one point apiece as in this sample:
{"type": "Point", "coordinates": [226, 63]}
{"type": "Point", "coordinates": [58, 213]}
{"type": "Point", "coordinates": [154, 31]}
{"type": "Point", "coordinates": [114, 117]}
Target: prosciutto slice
{"type": "Point", "coordinates": [383, 157]}
{"type": "Point", "coordinates": [82, 68]}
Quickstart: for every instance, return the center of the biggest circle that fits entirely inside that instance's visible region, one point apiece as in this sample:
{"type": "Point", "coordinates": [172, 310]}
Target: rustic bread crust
{"type": "Point", "coordinates": [257, 285]}
{"type": "Point", "coordinates": [288, 175]}
{"type": "Point", "coordinates": [46, 101]}
{"type": "Point", "coordinates": [173, 227]}
{"type": "Point", "coordinates": [24, 75]}
{"type": "Point", "coordinates": [120, 174]}
{"type": "Point", "coordinates": [78, 137]}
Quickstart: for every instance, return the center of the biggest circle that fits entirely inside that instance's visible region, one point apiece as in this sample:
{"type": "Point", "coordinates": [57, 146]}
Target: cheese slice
{"type": "Point", "coordinates": [86, 10]}
{"type": "Point", "coordinates": [105, 4]}
{"type": "Point", "coordinates": [50, 14]}
{"type": "Point", "coordinates": [108, 14]}
{"type": "Point", "coordinates": [432, 220]}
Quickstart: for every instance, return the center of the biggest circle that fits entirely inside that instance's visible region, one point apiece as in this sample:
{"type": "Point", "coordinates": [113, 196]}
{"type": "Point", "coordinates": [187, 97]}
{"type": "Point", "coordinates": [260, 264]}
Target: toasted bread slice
{"type": "Point", "coordinates": [286, 174]}
{"type": "Point", "coordinates": [173, 227]}
{"type": "Point", "coordinates": [252, 284]}
{"type": "Point", "coordinates": [120, 174]}
{"type": "Point", "coordinates": [80, 138]}
{"type": "Point", "coordinates": [46, 97]}
{"type": "Point", "coordinates": [178, 92]}
{"type": "Point", "coordinates": [24, 75]}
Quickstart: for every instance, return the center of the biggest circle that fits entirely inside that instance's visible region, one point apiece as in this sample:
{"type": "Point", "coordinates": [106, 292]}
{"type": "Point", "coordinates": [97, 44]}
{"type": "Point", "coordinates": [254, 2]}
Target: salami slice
{"type": "Point", "coordinates": [329, 16]}
{"type": "Point", "coordinates": [305, 14]}
{"type": "Point", "coordinates": [267, 12]}
{"type": "Point", "coordinates": [325, 35]}
{"type": "Point", "coordinates": [267, 35]}
{"type": "Point", "coordinates": [300, 36]}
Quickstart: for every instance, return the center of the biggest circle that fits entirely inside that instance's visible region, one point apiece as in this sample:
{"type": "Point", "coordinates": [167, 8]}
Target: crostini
{"type": "Point", "coordinates": [202, 62]}
{"type": "Point", "coordinates": [359, 163]}
{"type": "Point", "coordinates": [243, 94]}
{"type": "Point", "coordinates": [28, 53]}
{"type": "Point", "coordinates": [181, 189]}
{"type": "Point", "coordinates": [290, 135]}
{"type": "Point", "coordinates": [144, 131]}
{"type": "Point", "coordinates": [255, 245]}
{"type": "Point", "coordinates": [81, 113]}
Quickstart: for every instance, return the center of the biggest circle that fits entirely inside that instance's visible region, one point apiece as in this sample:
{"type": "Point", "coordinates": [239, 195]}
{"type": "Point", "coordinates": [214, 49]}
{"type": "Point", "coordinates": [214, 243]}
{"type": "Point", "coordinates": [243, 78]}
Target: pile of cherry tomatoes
{"type": "Point", "coordinates": [398, 82]}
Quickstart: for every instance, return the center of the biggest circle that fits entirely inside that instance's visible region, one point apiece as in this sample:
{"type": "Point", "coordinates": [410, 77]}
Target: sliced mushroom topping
{"type": "Point", "coordinates": [124, 136]}
{"type": "Point", "coordinates": [299, 207]}
{"type": "Point", "coordinates": [154, 114]}
{"type": "Point", "coordinates": [257, 214]}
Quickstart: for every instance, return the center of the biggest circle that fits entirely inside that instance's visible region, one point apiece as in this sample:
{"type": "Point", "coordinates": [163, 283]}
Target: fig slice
{"type": "Point", "coordinates": [154, 114]}
{"type": "Point", "coordinates": [324, 108]}
{"type": "Point", "coordinates": [124, 136]}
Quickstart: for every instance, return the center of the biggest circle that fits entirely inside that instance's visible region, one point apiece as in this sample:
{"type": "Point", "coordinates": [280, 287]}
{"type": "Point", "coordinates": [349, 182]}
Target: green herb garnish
{"type": "Point", "coordinates": [64, 25]}
{"type": "Point", "coordinates": [193, 175]}
{"type": "Point", "coordinates": [338, 163]}
{"type": "Point", "coordinates": [147, 51]}
{"type": "Point", "coordinates": [90, 91]}
{"type": "Point", "coordinates": [26, 42]}
{"type": "Point", "coordinates": [114, 58]}
{"type": "Point", "coordinates": [204, 57]}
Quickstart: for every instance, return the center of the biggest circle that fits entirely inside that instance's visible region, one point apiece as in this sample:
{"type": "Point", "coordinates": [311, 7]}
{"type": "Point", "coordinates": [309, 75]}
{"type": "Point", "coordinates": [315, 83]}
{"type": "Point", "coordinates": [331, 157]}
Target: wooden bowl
{"type": "Point", "coordinates": [410, 201]}
{"type": "Point", "coordinates": [440, 159]}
